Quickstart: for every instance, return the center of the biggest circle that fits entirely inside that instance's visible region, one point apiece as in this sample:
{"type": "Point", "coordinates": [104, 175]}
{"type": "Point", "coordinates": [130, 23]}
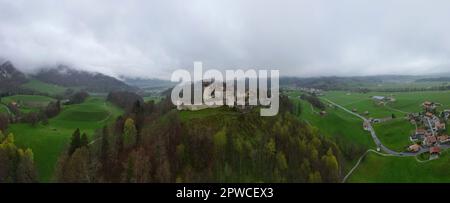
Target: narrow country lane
{"type": "Point", "coordinates": [377, 140]}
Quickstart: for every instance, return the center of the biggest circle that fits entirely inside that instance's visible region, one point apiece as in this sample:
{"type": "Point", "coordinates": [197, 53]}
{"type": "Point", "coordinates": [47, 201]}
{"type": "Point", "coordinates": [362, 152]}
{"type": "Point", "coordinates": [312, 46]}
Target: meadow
{"type": "Point", "coordinates": [48, 141]}
{"type": "Point", "coordinates": [28, 103]}
{"type": "Point", "coordinates": [379, 169]}
{"type": "Point", "coordinates": [336, 125]}
{"type": "Point", "coordinates": [405, 101]}
{"type": "Point", "coordinates": [42, 87]}
{"type": "Point", "coordinates": [395, 135]}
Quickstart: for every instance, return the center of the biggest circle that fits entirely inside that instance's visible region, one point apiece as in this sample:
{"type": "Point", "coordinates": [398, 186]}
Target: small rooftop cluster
{"type": "Point", "coordinates": [430, 132]}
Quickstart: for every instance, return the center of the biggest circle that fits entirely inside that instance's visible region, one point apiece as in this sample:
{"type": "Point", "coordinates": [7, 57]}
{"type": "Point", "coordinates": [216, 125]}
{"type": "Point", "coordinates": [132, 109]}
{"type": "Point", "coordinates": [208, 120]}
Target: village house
{"type": "Point", "coordinates": [382, 100]}
{"type": "Point", "coordinates": [446, 114]}
{"type": "Point", "coordinates": [366, 126]}
{"type": "Point", "coordinates": [429, 106]}
{"type": "Point", "coordinates": [379, 98]}
{"type": "Point", "coordinates": [414, 148]}
{"type": "Point", "coordinates": [15, 104]}
{"type": "Point", "coordinates": [434, 152]}
{"type": "Point", "coordinates": [430, 141]}
{"type": "Point", "coordinates": [443, 139]}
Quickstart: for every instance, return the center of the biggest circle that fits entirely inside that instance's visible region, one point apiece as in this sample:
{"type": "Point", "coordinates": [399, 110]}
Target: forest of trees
{"type": "Point", "coordinates": [78, 97]}
{"type": "Point", "coordinates": [124, 99]}
{"type": "Point", "coordinates": [16, 165]}
{"type": "Point", "coordinates": [152, 143]}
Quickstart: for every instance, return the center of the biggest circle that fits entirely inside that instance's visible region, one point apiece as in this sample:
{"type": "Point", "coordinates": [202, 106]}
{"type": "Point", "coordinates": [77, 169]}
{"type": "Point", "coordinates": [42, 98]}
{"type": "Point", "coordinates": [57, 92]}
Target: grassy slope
{"type": "Point", "coordinates": [47, 142]}
{"type": "Point", "coordinates": [43, 87]}
{"type": "Point", "coordinates": [336, 124]}
{"type": "Point", "coordinates": [333, 123]}
{"type": "Point", "coordinates": [376, 168]}
{"type": "Point", "coordinates": [395, 133]}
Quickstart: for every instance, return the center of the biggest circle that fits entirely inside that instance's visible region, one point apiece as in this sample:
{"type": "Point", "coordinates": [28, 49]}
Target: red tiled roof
{"type": "Point", "coordinates": [435, 150]}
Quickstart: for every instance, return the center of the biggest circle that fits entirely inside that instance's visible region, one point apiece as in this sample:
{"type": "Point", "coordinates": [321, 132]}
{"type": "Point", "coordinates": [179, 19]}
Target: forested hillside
{"type": "Point", "coordinates": [149, 144]}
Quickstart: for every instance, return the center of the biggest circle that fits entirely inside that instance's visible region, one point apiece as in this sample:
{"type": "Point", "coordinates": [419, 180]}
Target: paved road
{"type": "Point", "coordinates": [377, 140]}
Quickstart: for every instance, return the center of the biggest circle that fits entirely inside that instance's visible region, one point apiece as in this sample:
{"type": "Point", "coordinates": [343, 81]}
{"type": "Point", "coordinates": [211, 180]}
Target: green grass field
{"type": "Point", "coordinates": [28, 103]}
{"type": "Point", "coordinates": [405, 101]}
{"type": "Point", "coordinates": [47, 142]}
{"type": "Point", "coordinates": [394, 134]}
{"type": "Point", "coordinates": [378, 169]}
{"type": "Point", "coordinates": [336, 123]}
{"type": "Point", "coordinates": [43, 87]}
{"type": "Point", "coordinates": [403, 85]}
{"type": "Point", "coordinates": [362, 103]}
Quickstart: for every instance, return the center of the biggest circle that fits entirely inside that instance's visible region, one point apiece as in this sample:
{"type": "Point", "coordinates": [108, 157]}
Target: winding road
{"type": "Point", "coordinates": [377, 140]}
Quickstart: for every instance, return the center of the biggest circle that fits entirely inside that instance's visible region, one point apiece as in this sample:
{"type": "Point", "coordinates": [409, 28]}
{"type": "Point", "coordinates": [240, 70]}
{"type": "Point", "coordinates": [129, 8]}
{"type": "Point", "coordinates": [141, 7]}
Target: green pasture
{"type": "Point", "coordinates": [380, 169]}
{"type": "Point", "coordinates": [48, 141]}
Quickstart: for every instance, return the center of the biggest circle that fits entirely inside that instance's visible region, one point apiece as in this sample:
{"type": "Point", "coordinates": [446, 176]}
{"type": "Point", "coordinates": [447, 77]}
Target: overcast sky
{"type": "Point", "coordinates": [301, 38]}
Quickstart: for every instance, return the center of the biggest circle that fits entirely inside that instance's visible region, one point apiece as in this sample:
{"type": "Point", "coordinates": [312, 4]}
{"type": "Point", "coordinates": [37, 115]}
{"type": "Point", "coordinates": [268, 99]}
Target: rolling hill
{"type": "Point", "coordinates": [89, 81]}
{"type": "Point", "coordinates": [10, 78]}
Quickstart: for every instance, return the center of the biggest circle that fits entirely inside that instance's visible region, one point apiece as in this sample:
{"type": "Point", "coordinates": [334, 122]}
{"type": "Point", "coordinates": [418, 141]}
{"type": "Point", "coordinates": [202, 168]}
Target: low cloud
{"type": "Point", "coordinates": [302, 38]}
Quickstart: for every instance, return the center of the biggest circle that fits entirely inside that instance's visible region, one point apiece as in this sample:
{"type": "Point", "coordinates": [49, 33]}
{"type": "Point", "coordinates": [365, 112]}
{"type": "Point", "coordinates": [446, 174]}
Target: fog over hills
{"type": "Point", "coordinates": [301, 38]}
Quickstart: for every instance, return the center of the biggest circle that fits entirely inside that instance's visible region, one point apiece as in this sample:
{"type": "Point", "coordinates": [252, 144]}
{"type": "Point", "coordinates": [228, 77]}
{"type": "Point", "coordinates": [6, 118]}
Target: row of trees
{"type": "Point", "coordinates": [52, 110]}
{"type": "Point", "coordinates": [315, 101]}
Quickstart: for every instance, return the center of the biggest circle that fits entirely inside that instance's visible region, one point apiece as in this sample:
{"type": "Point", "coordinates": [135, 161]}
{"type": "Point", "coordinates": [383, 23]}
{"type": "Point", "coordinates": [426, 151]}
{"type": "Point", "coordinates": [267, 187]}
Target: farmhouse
{"type": "Point", "coordinates": [429, 106]}
{"type": "Point", "coordinates": [443, 139]}
{"type": "Point", "coordinates": [366, 126]}
{"type": "Point", "coordinates": [383, 99]}
{"type": "Point", "coordinates": [414, 148]}
{"type": "Point", "coordinates": [434, 152]}
{"type": "Point", "coordinates": [379, 98]}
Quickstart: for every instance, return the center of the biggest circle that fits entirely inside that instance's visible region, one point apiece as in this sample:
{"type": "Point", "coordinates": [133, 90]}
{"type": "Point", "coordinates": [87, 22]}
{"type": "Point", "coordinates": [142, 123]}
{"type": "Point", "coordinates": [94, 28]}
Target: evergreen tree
{"type": "Point", "coordinates": [84, 142]}
{"type": "Point", "coordinates": [76, 141]}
